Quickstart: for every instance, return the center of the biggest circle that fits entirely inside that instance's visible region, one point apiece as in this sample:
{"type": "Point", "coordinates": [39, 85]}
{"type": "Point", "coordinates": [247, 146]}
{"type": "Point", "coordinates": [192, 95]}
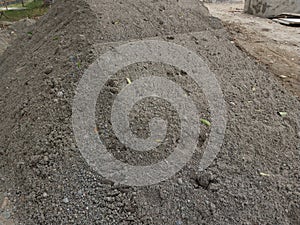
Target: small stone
{"type": "Point", "coordinates": [214, 187]}
{"type": "Point", "coordinates": [109, 199]}
{"type": "Point", "coordinates": [49, 69]}
{"type": "Point", "coordinates": [130, 218]}
{"type": "Point", "coordinates": [170, 37]}
{"type": "Point", "coordinates": [179, 222]}
{"type": "Point", "coordinates": [212, 208]}
{"type": "Point", "coordinates": [289, 187]}
{"type": "Point", "coordinates": [6, 214]}
{"type": "Point", "coordinates": [180, 181]}
{"type": "Point", "coordinates": [204, 180]}
{"type": "Point", "coordinates": [73, 58]}
{"type": "Point", "coordinates": [82, 37]}
{"type": "Point", "coordinates": [60, 94]}
{"type": "Point", "coordinates": [4, 203]}
{"type": "Point", "coordinates": [45, 195]}
{"type": "Point", "coordinates": [66, 200]}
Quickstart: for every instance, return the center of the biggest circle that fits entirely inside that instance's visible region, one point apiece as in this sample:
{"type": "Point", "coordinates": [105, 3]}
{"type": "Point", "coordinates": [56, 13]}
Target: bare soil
{"type": "Point", "coordinates": [254, 180]}
{"type": "Point", "coordinates": [9, 31]}
{"type": "Point", "coordinates": [275, 45]}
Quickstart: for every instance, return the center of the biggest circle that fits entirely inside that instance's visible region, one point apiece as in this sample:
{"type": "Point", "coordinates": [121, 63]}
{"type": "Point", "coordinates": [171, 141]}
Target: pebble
{"type": "Point", "coordinates": [4, 203]}
{"type": "Point", "coordinates": [48, 69]}
{"type": "Point", "coordinates": [6, 214]}
{"type": "Point", "coordinates": [60, 94]}
{"type": "Point", "coordinates": [66, 200]}
{"type": "Point", "coordinates": [82, 37]}
{"type": "Point", "coordinates": [214, 187]}
{"type": "Point", "coordinates": [180, 181]}
{"type": "Point", "coordinates": [73, 58]}
{"type": "Point", "coordinates": [109, 199]}
{"type": "Point", "coordinates": [204, 180]}
{"type": "Point", "coordinates": [179, 222]}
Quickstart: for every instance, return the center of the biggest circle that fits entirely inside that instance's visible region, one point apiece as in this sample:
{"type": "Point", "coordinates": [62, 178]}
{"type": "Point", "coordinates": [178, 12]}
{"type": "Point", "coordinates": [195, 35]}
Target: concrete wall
{"type": "Point", "coordinates": [270, 8]}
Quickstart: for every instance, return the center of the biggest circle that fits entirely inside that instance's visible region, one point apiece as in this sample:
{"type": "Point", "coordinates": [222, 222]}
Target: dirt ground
{"type": "Point", "coordinates": [9, 31]}
{"type": "Point", "coordinates": [45, 179]}
{"type": "Point", "coordinates": [5, 38]}
{"type": "Point", "coordinates": [273, 44]}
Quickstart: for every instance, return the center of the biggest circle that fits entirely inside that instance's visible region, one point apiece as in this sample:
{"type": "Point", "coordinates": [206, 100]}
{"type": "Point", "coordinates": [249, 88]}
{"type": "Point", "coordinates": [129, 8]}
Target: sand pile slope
{"type": "Point", "coordinates": [8, 34]}
{"type": "Point", "coordinates": [254, 180]}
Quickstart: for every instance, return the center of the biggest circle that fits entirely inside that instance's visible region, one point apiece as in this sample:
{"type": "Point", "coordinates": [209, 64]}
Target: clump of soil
{"type": "Point", "coordinates": [254, 180]}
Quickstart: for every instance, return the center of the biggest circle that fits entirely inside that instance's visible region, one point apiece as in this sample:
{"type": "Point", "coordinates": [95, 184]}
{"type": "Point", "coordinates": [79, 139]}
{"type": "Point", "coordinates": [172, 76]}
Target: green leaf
{"type": "Point", "coordinates": [206, 122]}
{"type": "Point", "coordinates": [264, 174]}
{"type": "Point", "coordinates": [282, 114]}
{"type": "Point", "coordinates": [128, 81]}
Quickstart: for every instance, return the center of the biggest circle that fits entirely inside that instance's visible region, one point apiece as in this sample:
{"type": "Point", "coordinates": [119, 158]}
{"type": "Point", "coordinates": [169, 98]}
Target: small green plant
{"type": "Point", "coordinates": [283, 114]}
{"type": "Point", "coordinates": [32, 9]}
{"type": "Point", "coordinates": [205, 122]}
{"type": "Point", "coordinates": [55, 38]}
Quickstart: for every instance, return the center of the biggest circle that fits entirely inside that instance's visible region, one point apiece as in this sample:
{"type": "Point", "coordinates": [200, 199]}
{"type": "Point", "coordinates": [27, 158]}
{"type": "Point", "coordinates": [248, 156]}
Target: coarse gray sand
{"type": "Point", "coordinates": [44, 173]}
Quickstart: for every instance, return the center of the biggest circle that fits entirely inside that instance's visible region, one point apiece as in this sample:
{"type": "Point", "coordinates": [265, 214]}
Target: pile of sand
{"type": "Point", "coordinates": [254, 180]}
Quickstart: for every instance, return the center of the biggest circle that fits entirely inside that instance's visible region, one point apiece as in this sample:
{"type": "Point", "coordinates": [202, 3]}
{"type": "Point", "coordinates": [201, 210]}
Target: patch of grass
{"type": "Point", "coordinates": [33, 9]}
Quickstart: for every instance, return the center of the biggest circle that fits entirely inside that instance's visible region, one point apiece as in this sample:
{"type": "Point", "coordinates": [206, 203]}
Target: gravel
{"type": "Point", "coordinates": [39, 154]}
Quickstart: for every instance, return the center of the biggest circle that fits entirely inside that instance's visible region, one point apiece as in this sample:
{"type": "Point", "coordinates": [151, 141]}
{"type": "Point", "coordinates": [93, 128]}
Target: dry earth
{"type": "Point", "coordinates": [272, 44]}
{"type": "Point", "coordinates": [44, 178]}
{"type": "Point", "coordinates": [10, 31]}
